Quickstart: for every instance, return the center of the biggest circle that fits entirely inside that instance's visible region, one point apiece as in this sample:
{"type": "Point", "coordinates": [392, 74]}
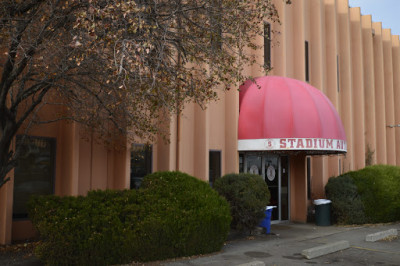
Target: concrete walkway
{"type": "Point", "coordinates": [287, 241]}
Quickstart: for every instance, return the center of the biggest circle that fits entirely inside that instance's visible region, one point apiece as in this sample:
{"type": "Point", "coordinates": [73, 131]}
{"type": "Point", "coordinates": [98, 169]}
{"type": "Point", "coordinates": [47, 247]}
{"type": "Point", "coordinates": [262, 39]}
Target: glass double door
{"type": "Point", "coordinates": [275, 171]}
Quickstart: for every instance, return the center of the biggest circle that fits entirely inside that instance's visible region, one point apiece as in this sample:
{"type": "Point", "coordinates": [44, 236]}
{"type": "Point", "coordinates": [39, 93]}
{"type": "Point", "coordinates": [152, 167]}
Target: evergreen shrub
{"type": "Point", "coordinates": [379, 188]}
{"type": "Point", "coordinates": [188, 218]}
{"type": "Point", "coordinates": [248, 195]}
{"type": "Point", "coordinates": [347, 206]}
{"type": "Point", "coordinates": [374, 191]}
{"type": "Point", "coordinates": [172, 215]}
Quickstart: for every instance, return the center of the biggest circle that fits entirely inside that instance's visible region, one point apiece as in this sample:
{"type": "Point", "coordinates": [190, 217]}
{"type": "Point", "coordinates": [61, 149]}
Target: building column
{"type": "Point", "coordinates": [379, 94]}
{"type": "Point", "coordinates": [358, 89]}
{"type": "Point", "coordinates": [389, 96]}
{"type": "Point", "coordinates": [298, 188]}
{"type": "Point", "coordinates": [345, 81]}
{"type": "Point", "coordinates": [68, 142]}
{"type": "Point", "coordinates": [317, 53]}
{"type": "Point", "coordinates": [369, 89]}
{"type": "Point", "coordinates": [120, 162]}
{"type": "Point", "coordinates": [278, 41]}
{"type": "Point", "coordinates": [231, 131]}
{"type": "Point", "coordinates": [187, 139]}
{"type": "Point", "coordinates": [396, 91]}
{"type": "Point", "coordinates": [166, 149]}
{"type": "Point", "coordinates": [6, 201]}
{"type": "Point", "coordinates": [331, 71]}
{"type": "Point", "coordinates": [298, 44]}
{"type": "Point", "coordinates": [201, 145]}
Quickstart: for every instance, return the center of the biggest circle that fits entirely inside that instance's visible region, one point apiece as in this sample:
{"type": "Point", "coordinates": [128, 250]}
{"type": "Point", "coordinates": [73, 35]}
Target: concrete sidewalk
{"type": "Point", "coordinates": [286, 242]}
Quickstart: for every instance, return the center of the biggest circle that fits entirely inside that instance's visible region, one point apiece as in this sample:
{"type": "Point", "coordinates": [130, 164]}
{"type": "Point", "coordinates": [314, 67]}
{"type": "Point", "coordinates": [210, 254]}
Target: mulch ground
{"type": "Point", "coordinates": [19, 254]}
{"type": "Point", "coordinates": [22, 253]}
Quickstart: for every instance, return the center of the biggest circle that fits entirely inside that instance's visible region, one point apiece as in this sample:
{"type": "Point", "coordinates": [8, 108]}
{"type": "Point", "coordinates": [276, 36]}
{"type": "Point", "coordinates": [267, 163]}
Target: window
{"type": "Point", "coordinates": [35, 171]}
{"type": "Point", "coordinates": [308, 177]}
{"type": "Point", "coordinates": [141, 163]}
{"type": "Point", "coordinates": [214, 166]}
{"type": "Point", "coordinates": [241, 163]}
{"type": "Point", "coordinates": [267, 45]}
{"type": "Point", "coordinates": [307, 62]}
{"type": "Point", "coordinates": [254, 164]}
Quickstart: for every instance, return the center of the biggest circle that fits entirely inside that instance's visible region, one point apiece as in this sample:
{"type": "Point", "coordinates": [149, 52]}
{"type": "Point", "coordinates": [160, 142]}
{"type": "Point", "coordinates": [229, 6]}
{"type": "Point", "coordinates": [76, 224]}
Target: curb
{"type": "Point", "coordinates": [381, 235]}
{"type": "Point", "coordinates": [325, 249]}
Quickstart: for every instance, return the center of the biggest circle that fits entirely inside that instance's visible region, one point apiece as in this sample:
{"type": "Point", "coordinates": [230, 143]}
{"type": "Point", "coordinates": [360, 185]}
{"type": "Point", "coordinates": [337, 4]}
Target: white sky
{"type": "Point", "coordinates": [385, 11]}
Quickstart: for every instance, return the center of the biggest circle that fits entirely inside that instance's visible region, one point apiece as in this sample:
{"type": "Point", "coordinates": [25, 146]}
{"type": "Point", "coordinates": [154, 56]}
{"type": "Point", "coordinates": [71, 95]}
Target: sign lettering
{"type": "Point", "coordinates": [279, 144]}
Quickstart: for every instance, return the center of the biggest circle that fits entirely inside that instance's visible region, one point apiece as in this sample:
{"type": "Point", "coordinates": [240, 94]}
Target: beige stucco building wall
{"type": "Point", "coordinates": [352, 60]}
{"type": "Point", "coordinates": [81, 165]}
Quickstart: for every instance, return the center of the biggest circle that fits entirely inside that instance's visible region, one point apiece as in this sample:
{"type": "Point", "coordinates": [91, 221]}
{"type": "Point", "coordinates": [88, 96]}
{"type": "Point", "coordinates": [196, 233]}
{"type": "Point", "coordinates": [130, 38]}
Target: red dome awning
{"type": "Point", "coordinates": [284, 114]}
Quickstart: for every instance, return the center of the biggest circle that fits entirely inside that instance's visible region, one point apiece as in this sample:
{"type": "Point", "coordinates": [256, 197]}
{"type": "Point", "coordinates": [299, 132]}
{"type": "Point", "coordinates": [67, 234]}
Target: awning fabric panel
{"type": "Point", "coordinates": [284, 110]}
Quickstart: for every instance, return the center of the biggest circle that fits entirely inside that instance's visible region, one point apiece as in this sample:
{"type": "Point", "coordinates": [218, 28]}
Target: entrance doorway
{"type": "Point", "coordinates": [275, 171]}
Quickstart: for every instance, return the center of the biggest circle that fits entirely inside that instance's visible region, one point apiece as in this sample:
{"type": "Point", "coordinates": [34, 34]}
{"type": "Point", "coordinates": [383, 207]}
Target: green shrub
{"type": "Point", "coordinates": [190, 219]}
{"type": "Point", "coordinates": [172, 215]}
{"type": "Point", "coordinates": [347, 207]}
{"type": "Point", "coordinates": [82, 230]}
{"type": "Point", "coordinates": [370, 195]}
{"type": "Point", "coordinates": [248, 196]}
{"type": "Point", "coordinates": [379, 188]}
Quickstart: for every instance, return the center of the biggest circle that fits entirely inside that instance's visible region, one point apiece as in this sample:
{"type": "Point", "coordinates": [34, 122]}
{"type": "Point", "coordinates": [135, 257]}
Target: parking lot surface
{"type": "Point", "coordinates": [286, 242]}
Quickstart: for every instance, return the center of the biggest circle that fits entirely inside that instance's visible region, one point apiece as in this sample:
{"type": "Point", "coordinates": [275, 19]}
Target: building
{"type": "Point", "coordinates": [324, 43]}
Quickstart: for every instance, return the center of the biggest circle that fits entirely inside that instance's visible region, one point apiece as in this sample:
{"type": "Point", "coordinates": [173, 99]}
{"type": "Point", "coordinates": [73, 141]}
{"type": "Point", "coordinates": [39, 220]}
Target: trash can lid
{"type": "Point", "coordinates": [270, 207]}
{"type": "Point", "coordinates": [321, 201]}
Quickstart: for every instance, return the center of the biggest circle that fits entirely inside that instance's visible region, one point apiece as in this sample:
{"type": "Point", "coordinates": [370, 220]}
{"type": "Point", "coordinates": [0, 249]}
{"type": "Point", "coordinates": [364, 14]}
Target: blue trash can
{"type": "Point", "coordinates": [266, 222]}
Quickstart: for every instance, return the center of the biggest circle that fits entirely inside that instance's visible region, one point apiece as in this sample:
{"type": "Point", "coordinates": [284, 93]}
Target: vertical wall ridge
{"type": "Point", "coordinates": [379, 94]}
{"type": "Point", "coordinates": [369, 89]}
{"type": "Point", "coordinates": [389, 101]}
{"type": "Point", "coordinates": [331, 70]}
{"type": "Point", "coordinates": [396, 91]}
{"type": "Point", "coordinates": [345, 81]}
{"type": "Point", "coordinates": [357, 88]}
{"type": "Point", "coordinates": [319, 164]}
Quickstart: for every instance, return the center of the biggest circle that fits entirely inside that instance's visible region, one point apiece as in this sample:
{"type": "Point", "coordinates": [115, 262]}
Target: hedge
{"type": "Point", "coordinates": [368, 195]}
{"type": "Point", "coordinates": [172, 215]}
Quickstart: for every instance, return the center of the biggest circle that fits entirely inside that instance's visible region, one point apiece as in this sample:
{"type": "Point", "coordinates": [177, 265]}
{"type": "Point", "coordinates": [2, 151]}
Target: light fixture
{"type": "Point", "coordinates": [392, 126]}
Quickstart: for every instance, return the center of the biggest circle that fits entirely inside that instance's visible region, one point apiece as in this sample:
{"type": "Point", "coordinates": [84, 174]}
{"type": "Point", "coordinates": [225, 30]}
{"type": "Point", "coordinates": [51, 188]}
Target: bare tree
{"type": "Point", "coordinates": [115, 64]}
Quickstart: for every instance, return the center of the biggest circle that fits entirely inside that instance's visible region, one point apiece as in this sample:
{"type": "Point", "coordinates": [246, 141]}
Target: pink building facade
{"type": "Point", "coordinates": [345, 55]}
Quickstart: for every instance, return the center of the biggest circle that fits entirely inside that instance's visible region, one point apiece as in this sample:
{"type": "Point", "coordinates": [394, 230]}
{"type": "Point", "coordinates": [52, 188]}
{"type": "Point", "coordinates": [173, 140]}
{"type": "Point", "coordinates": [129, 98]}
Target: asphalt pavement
{"type": "Point", "coordinates": [284, 246]}
{"type": "Point", "coordinates": [287, 241]}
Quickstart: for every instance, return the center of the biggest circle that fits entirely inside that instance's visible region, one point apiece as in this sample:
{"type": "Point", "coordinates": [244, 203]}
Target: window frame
{"type": "Point", "coordinates": [267, 46]}
{"type": "Point", "coordinates": [147, 150]}
{"type": "Point", "coordinates": [210, 179]}
{"type": "Point", "coordinates": [307, 61]}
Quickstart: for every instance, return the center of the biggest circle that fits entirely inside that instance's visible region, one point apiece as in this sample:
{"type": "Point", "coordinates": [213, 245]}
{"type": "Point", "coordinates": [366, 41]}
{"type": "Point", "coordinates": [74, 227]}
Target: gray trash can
{"type": "Point", "coordinates": [322, 212]}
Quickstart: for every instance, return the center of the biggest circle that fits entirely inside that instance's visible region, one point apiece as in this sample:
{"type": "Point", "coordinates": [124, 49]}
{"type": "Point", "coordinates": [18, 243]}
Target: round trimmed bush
{"type": "Point", "coordinates": [186, 217]}
{"type": "Point", "coordinates": [172, 215]}
{"type": "Point", "coordinates": [248, 195]}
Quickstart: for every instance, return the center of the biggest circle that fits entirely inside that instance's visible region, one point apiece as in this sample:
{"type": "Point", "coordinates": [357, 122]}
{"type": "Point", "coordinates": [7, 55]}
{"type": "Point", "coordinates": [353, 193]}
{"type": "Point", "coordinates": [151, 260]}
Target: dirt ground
{"type": "Point", "coordinates": [22, 253]}
{"type": "Point", "coordinates": [18, 254]}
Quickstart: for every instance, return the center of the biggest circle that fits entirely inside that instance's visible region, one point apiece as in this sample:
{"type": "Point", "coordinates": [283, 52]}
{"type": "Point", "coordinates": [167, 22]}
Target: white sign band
{"type": "Point", "coordinates": [293, 144]}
